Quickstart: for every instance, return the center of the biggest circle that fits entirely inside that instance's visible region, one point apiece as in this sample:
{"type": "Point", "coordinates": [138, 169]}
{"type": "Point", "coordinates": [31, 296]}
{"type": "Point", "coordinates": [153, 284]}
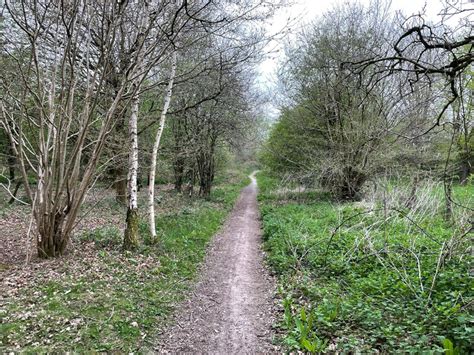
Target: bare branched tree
{"type": "Point", "coordinates": [61, 116]}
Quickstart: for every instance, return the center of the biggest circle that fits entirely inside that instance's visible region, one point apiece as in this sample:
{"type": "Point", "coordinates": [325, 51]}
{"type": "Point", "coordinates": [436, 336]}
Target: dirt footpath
{"type": "Point", "coordinates": [230, 309]}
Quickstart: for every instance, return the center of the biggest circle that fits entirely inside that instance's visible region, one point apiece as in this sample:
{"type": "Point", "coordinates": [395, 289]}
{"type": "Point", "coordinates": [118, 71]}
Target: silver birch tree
{"type": "Point", "coordinates": [156, 145]}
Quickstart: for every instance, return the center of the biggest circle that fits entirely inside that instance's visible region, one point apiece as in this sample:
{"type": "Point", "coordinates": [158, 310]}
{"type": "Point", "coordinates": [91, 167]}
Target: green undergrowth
{"type": "Point", "coordinates": [360, 279]}
{"type": "Point", "coordinates": [106, 300]}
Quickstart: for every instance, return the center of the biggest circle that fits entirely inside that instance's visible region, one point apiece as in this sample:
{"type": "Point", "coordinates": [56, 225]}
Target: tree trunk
{"type": "Point", "coordinates": [15, 191]}
{"type": "Point", "coordinates": [156, 146]}
{"type": "Point", "coordinates": [465, 172]}
{"type": "Point", "coordinates": [351, 184]}
{"type": "Point", "coordinates": [205, 188]}
{"type": "Point", "coordinates": [178, 168]}
{"type": "Point", "coordinates": [448, 192]}
{"type": "Point", "coordinates": [11, 160]}
{"type": "Point", "coordinates": [130, 240]}
{"type": "Point", "coordinates": [411, 201]}
{"type": "Point", "coordinates": [206, 173]}
{"type": "Point", "coordinates": [179, 156]}
{"type": "Point", "coordinates": [51, 240]}
{"type": "Point", "coordinates": [190, 178]}
{"type": "Point", "coordinates": [120, 186]}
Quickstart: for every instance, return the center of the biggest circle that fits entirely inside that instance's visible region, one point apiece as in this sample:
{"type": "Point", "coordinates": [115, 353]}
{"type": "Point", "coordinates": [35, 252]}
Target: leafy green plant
{"type": "Point", "coordinates": [449, 348]}
{"type": "Point", "coordinates": [300, 325]}
{"type": "Point", "coordinates": [307, 337]}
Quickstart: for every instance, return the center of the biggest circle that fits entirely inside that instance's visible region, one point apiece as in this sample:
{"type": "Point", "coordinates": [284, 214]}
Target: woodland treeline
{"type": "Point", "coordinates": [90, 88]}
{"type": "Point", "coordinates": [369, 93]}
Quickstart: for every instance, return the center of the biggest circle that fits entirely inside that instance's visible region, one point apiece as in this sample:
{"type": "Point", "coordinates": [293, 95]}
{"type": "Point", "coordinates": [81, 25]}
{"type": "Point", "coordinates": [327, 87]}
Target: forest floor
{"type": "Point", "coordinates": [230, 309]}
{"type": "Point", "coordinates": [97, 298]}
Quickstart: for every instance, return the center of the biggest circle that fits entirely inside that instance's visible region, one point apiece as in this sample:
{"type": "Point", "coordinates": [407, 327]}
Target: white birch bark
{"type": "Point", "coordinates": [131, 230]}
{"type": "Point", "coordinates": [130, 240]}
{"type": "Point", "coordinates": [156, 146]}
{"type": "Point", "coordinates": [133, 156]}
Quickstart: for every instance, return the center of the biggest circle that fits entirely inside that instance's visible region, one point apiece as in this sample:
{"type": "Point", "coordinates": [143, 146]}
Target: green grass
{"type": "Point", "coordinates": [356, 286]}
{"type": "Point", "coordinates": [111, 301]}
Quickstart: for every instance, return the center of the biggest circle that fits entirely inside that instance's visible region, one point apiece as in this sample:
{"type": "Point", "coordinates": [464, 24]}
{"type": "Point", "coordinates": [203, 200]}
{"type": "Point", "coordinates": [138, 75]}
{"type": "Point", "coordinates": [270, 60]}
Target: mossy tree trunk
{"type": "Point", "coordinates": [130, 239]}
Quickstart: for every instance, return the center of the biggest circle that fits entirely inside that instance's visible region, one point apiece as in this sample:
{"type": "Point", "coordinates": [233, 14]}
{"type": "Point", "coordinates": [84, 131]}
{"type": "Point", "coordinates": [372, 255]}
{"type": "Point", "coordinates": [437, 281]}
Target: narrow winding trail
{"type": "Point", "coordinates": [230, 309]}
